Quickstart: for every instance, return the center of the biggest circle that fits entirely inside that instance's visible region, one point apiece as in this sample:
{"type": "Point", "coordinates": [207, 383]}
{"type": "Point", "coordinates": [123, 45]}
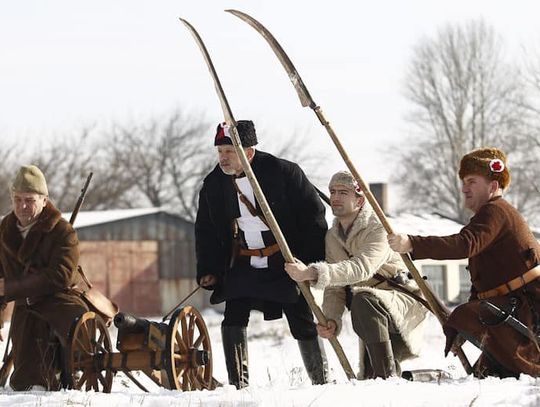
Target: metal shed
{"type": "Point", "coordinates": [143, 259]}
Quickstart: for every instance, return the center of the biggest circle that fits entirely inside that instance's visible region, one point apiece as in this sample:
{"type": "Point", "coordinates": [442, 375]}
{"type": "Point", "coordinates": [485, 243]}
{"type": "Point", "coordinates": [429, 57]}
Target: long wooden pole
{"type": "Point", "coordinates": [436, 306]}
{"type": "Point", "coordinates": [306, 100]}
{"type": "Point", "coordinates": [261, 199]}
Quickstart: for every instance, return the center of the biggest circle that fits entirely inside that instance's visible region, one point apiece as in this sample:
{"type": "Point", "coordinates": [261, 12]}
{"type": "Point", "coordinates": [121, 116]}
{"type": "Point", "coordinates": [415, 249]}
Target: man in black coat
{"type": "Point", "coordinates": [237, 254]}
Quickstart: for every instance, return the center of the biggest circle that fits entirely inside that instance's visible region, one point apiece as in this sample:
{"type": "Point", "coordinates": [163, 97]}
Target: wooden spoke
{"type": "Point", "coordinates": [101, 337]}
{"type": "Point", "coordinates": [186, 339]}
{"type": "Point", "coordinates": [82, 346]}
{"type": "Point", "coordinates": [86, 335]}
{"type": "Point", "coordinates": [81, 381]}
{"type": "Point", "coordinates": [102, 380]}
{"type": "Point", "coordinates": [180, 358]}
{"type": "Point", "coordinates": [191, 329]}
{"type": "Point", "coordinates": [184, 330]}
{"type": "Point", "coordinates": [198, 342]}
{"type": "Point", "coordinates": [180, 345]}
{"type": "Point", "coordinates": [89, 342]}
{"type": "Point", "coordinates": [185, 381]}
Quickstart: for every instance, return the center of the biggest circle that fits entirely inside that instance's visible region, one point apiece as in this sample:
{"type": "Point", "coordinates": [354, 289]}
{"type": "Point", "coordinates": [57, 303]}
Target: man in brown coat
{"type": "Point", "coordinates": [39, 254]}
{"type": "Point", "coordinates": [504, 263]}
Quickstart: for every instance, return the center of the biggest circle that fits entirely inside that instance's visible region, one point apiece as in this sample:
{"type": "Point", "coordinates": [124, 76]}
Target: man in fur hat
{"type": "Point", "coordinates": [39, 254]}
{"type": "Point", "coordinates": [237, 254]}
{"type": "Point", "coordinates": [504, 263]}
{"type": "Point", "coordinates": [388, 321]}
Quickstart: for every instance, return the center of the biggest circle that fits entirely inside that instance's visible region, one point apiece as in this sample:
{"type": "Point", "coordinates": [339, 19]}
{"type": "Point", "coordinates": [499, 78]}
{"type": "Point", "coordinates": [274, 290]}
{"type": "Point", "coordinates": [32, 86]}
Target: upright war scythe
{"type": "Point", "coordinates": [261, 199]}
{"type": "Point", "coordinates": [436, 306]}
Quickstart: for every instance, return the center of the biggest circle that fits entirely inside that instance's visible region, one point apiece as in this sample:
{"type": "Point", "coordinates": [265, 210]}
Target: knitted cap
{"type": "Point", "coordinates": [30, 179]}
{"type": "Point", "coordinates": [246, 131]}
{"type": "Point", "coordinates": [489, 162]}
{"type": "Point", "coordinates": [345, 179]}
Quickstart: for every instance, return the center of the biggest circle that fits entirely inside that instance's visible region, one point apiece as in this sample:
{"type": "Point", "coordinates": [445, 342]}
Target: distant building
{"type": "Point", "coordinates": [143, 259]}
{"type": "Point", "coordinates": [449, 279]}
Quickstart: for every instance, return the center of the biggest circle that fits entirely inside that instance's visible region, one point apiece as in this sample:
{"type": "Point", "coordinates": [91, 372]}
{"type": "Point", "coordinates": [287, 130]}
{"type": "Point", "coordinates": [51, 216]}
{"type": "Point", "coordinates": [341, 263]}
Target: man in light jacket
{"type": "Point", "coordinates": [360, 263]}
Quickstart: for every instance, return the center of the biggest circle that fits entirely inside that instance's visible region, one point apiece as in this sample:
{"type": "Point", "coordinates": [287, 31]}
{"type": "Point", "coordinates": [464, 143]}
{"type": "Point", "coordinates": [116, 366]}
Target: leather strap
{"type": "Point", "coordinates": [248, 204]}
{"type": "Point", "coordinates": [511, 285]}
{"type": "Point", "coordinates": [263, 252]}
{"type": "Point", "coordinates": [399, 287]}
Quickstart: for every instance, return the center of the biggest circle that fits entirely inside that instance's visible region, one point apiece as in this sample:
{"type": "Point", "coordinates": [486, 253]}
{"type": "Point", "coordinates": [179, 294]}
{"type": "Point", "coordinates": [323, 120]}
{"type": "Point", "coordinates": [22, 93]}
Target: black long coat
{"type": "Point", "coordinates": [298, 211]}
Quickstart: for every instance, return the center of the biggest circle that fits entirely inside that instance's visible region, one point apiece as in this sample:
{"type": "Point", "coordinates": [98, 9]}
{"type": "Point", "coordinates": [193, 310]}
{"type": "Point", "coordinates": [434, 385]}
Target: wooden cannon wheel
{"type": "Point", "coordinates": [188, 354]}
{"type": "Point", "coordinates": [86, 354]}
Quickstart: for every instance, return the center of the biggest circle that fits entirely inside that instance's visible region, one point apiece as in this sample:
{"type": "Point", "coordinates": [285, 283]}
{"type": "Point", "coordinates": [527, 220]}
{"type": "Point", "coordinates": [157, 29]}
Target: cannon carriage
{"type": "Point", "coordinates": [176, 355]}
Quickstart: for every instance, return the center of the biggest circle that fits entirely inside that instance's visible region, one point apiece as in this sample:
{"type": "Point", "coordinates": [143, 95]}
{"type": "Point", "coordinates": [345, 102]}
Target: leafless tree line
{"type": "Point", "coordinates": [466, 92]}
{"type": "Point", "coordinates": [159, 162]}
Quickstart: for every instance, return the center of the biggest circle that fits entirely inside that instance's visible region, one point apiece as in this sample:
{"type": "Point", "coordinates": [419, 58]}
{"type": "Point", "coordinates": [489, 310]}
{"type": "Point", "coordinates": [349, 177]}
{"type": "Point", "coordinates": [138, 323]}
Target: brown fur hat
{"type": "Point", "coordinates": [489, 162]}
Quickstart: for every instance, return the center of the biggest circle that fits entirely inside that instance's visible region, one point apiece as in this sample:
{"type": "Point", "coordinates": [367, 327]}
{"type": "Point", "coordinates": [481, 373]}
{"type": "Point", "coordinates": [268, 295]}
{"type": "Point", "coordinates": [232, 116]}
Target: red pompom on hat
{"type": "Point", "coordinates": [488, 162]}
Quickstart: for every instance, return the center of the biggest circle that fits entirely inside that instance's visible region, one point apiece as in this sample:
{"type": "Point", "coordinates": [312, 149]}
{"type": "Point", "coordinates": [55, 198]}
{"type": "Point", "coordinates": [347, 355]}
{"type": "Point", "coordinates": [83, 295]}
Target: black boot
{"type": "Point", "coordinates": [312, 351]}
{"type": "Point", "coordinates": [236, 354]}
{"type": "Point", "coordinates": [382, 359]}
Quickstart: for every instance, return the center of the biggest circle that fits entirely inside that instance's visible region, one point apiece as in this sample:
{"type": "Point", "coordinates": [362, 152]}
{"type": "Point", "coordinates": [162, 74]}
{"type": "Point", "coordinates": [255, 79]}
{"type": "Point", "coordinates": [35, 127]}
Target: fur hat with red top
{"type": "Point", "coordinates": [489, 162]}
{"type": "Point", "coordinates": [246, 131]}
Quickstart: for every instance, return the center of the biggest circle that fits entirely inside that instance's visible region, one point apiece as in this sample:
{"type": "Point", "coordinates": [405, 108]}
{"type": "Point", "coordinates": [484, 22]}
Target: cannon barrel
{"type": "Point", "coordinates": [130, 322]}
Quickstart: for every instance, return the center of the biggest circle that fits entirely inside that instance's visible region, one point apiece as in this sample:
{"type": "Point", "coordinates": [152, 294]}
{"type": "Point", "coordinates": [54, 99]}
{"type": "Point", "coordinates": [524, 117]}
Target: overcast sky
{"type": "Point", "coordinates": [66, 63]}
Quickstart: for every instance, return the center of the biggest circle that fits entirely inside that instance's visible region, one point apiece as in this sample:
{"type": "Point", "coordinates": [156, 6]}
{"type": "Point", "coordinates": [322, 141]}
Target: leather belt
{"type": "Point", "coordinates": [263, 252]}
{"type": "Point", "coordinates": [511, 285]}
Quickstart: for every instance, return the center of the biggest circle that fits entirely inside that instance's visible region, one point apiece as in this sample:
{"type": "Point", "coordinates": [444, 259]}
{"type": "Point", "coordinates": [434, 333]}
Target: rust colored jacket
{"type": "Point", "coordinates": [43, 263]}
{"type": "Point", "coordinates": [38, 272]}
{"type": "Point", "coordinates": [500, 247]}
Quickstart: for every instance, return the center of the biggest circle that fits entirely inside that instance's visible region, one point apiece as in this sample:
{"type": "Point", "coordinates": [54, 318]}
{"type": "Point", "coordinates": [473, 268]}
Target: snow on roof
{"type": "Point", "coordinates": [413, 224]}
{"type": "Point", "coordinates": [90, 218]}
{"type": "Point", "coordinates": [424, 225]}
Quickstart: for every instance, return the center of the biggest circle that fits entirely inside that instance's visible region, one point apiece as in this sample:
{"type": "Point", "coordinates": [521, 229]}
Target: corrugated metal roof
{"type": "Point", "coordinates": [90, 218]}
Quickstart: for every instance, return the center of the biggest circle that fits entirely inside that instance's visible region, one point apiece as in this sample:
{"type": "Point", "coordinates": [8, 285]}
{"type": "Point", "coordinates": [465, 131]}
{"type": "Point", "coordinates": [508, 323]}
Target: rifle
{"type": "Point", "coordinates": [7, 365]}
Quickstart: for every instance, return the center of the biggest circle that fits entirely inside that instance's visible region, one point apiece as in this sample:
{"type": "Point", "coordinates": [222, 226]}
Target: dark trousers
{"type": "Point", "coordinates": [298, 315]}
{"type": "Point", "coordinates": [370, 319]}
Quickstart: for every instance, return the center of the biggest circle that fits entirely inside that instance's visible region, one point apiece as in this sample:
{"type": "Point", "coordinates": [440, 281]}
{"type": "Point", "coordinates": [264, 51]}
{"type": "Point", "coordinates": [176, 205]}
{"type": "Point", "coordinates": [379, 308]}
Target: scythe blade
{"type": "Point", "coordinates": [267, 212]}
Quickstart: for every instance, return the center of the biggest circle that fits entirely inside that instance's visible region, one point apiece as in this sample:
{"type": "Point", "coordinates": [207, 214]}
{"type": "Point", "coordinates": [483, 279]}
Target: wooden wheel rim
{"type": "Point", "coordinates": [90, 343]}
{"type": "Point", "coordinates": [187, 335]}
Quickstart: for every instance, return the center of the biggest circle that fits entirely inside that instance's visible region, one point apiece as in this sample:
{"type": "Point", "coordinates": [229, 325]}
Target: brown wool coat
{"type": "Point", "coordinates": [500, 247]}
{"type": "Point", "coordinates": [39, 271]}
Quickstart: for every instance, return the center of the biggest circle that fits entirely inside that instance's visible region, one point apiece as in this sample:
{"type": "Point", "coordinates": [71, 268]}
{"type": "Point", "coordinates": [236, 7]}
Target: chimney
{"type": "Point", "coordinates": [380, 192]}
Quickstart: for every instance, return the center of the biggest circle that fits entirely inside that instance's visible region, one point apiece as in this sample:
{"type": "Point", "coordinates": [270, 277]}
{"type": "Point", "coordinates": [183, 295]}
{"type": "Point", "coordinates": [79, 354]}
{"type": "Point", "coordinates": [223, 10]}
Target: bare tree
{"type": "Point", "coordinates": [160, 162]}
{"type": "Point", "coordinates": [7, 172]}
{"type": "Point", "coordinates": [298, 148]}
{"type": "Point", "coordinates": [67, 161]}
{"type": "Point", "coordinates": [164, 160]}
{"type": "Point", "coordinates": [464, 95]}
{"type": "Point", "coordinates": [529, 170]}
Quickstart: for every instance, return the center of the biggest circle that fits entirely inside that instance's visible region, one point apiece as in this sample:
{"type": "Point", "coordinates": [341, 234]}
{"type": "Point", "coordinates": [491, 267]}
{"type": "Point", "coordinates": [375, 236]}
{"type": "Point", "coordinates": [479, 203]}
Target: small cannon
{"type": "Point", "coordinates": [176, 355]}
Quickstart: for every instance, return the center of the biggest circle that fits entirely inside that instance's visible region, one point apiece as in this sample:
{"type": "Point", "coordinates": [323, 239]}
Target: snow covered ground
{"type": "Point", "coordinates": [277, 378]}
